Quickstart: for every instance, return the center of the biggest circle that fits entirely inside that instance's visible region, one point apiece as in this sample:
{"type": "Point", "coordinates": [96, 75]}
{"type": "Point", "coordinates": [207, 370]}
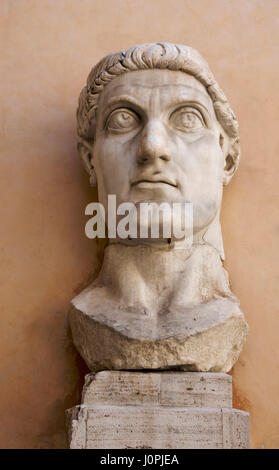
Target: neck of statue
{"type": "Point", "coordinates": [159, 276]}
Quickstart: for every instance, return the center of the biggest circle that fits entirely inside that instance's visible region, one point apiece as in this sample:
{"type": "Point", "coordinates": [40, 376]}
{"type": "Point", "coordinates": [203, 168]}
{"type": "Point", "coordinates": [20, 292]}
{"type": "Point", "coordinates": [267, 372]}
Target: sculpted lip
{"type": "Point", "coordinates": [154, 181]}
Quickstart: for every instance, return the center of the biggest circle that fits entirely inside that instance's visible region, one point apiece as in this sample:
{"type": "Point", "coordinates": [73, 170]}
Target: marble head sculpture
{"type": "Point", "coordinates": [154, 125]}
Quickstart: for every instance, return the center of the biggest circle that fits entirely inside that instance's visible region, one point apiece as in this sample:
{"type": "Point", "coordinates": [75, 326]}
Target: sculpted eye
{"type": "Point", "coordinates": [122, 120]}
{"type": "Point", "coordinates": [187, 119]}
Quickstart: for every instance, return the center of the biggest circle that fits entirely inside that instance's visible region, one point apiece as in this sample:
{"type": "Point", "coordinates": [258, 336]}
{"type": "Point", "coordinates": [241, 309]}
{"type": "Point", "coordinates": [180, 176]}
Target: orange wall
{"type": "Point", "coordinates": [49, 47]}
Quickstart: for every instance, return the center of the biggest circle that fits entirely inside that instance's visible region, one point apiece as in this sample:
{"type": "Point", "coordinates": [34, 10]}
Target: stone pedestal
{"type": "Point", "coordinates": [157, 410]}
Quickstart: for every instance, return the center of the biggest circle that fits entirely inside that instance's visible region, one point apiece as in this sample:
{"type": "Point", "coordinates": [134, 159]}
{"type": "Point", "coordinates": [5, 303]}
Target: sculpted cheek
{"type": "Point", "coordinates": [200, 162]}
{"type": "Point", "coordinates": [112, 165]}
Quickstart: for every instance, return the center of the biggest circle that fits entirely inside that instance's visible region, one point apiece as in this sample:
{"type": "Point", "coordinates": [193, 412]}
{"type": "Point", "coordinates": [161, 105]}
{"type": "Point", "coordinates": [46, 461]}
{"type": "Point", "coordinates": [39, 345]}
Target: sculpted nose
{"type": "Point", "coordinates": [154, 143]}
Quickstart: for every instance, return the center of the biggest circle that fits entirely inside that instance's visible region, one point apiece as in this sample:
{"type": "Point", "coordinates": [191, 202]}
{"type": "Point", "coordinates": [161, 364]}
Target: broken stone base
{"type": "Point", "coordinates": [157, 410]}
{"type": "Point", "coordinates": [159, 309]}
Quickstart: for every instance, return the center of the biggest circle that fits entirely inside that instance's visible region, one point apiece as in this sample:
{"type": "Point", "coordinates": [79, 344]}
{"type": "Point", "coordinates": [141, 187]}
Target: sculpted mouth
{"type": "Point", "coordinates": [154, 181]}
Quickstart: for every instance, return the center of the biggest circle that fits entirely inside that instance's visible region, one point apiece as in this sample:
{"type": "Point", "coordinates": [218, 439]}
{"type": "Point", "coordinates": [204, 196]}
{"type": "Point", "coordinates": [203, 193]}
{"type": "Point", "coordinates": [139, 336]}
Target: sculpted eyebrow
{"type": "Point", "coordinates": [185, 101]}
{"type": "Point", "coordinates": [179, 101]}
{"type": "Point", "coordinates": [123, 98]}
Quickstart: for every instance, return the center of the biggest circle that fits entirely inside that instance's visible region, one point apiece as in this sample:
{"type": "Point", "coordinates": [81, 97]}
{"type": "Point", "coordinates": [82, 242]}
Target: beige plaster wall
{"type": "Point", "coordinates": [48, 49]}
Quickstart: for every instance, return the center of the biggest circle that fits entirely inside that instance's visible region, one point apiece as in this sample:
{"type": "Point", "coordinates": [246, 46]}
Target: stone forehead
{"type": "Point", "coordinates": [151, 56]}
{"type": "Point", "coordinates": [160, 78]}
{"type": "Point", "coordinates": [165, 86]}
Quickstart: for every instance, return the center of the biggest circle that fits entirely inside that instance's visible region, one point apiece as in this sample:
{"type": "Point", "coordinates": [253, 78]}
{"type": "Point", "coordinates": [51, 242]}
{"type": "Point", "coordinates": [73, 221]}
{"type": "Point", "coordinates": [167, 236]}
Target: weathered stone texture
{"type": "Point", "coordinates": [165, 410]}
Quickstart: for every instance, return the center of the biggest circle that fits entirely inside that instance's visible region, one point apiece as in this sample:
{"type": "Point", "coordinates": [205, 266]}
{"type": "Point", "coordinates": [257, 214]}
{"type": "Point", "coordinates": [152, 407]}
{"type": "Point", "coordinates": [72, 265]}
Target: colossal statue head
{"type": "Point", "coordinates": [169, 134]}
{"type": "Point", "coordinates": [154, 125]}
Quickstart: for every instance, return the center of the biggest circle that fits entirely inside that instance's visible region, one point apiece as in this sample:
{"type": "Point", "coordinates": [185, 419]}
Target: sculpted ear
{"type": "Point", "coordinates": [231, 151]}
{"type": "Point", "coordinates": [85, 150]}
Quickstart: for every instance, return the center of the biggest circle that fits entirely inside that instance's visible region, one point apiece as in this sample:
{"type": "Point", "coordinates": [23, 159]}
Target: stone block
{"type": "Point", "coordinates": [157, 410]}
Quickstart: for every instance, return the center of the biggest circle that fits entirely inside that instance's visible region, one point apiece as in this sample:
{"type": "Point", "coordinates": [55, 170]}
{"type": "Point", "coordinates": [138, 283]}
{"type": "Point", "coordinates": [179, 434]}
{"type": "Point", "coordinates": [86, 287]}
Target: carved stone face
{"type": "Point", "coordinates": [157, 138]}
